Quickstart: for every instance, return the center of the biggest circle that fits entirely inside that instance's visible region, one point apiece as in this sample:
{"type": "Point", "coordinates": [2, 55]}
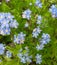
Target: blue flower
{"type": "Point", "coordinates": [2, 48]}
{"type": "Point", "coordinates": [8, 54]}
{"type": "Point", "coordinates": [38, 3]}
{"type": "Point", "coordinates": [25, 57]}
{"type": "Point", "coordinates": [38, 59]}
{"type": "Point", "coordinates": [20, 38]}
{"type": "Point", "coordinates": [45, 39]}
{"type": "Point", "coordinates": [6, 31]}
{"type": "Point", "coordinates": [6, 23]}
{"type": "Point", "coordinates": [14, 24]}
{"type": "Point", "coordinates": [53, 11]}
{"type": "Point", "coordinates": [39, 19]}
{"type": "Point", "coordinates": [40, 47]}
{"type": "Point", "coordinates": [36, 32]}
{"type": "Point", "coordinates": [27, 14]}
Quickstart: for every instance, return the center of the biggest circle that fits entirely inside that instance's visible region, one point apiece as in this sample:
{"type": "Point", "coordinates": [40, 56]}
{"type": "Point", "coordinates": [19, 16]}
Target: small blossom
{"type": "Point", "coordinates": [38, 59]}
{"type": "Point", "coordinates": [20, 38]}
{"type": "Point", "coordinates": [53, 11]}
{"type": "Point", "coordinates": [45, 39]}
{"type": "Point", "coordinates": [38, 3]}
{"type": "Point", "coordinates": [8, 54]}
{"type": "Point", "coordinates": [6, 23]}
{"type": "Point", "coordinates": [25, 57]}
{"type": "Point", "coordinates": [14, 24]}
{"type": "Point", "coordinates": [2, 48]}
{"type": "Point", "coordinates": [40, 47]}
{"type": "Point", "coordinates": [39, 19]}
{"type": "Point", "coordinates": [36, 32]}
{"type": "Point", "coordinates": [27, 14]}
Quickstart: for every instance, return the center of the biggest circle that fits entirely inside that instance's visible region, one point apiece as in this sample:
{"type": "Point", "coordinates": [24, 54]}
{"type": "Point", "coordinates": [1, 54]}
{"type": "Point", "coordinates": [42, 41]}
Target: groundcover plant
{"type": "Point", "coordinates": [28, 32]}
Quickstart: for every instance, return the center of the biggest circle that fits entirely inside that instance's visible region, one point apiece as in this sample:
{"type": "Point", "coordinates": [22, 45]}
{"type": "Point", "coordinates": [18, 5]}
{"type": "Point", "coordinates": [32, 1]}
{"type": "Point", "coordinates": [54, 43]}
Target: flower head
{"type": "Point", "coordinates": [40, 47]}
{"type": "Point", "coordinates": [27, 14]}
{"type": "Point", "coordinates": [20, 38]}
{"type": "Point", "coordinates": [36, 32]}
{"type": "Point", "coordinates": [24, 57]}
{"type": "Point", "coordinates": [45, 39]}
{"type": "Point", "coordinates": [39, 19]}
{"type": "Point", "coordinates": [38, 59]}
{"type": "Point", "coordinates": [38, 3]}
{"type": "Point", "coordinates": [2, 48]}
{"type": "Point", "coordinates": [6, 23]}
{"type": "Point", "coordinates": [53, 11]}
{"type": "Point", "coordinates": [8, 54]}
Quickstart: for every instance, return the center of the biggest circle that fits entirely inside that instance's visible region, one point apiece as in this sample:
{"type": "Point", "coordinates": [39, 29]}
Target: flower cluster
{"type": "Point", "coordinates": [36, 32]}
{"type": "Point", "coordinates": [38, 59]}
{"type": "Point", "coordinates": [24, 55]}
{"type": "Point", "coordinates": [44, 40]}
{"type": "Point", "coordinates": [20, 38]}
{"type": "Point", "coordinates": [27, 14]}
{"type": "Point", "coordinates": [6, 23]}
{"type": "Point", "coordinates": [53, 11]}
{"type": "Point", "coordinates": [2, 48]}
{"type": "Point", "coordinates": [38, 3]}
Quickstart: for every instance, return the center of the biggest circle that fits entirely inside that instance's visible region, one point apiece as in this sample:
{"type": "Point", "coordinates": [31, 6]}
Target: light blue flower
{"type": "Point", "coordinates": [6, 31]}
{"type": "Point", "coordinates": [28, 59]}
{"type": "Point", "coordinates": [45, 38]}
{"type": "Point", "coordinates": [25, 57]}
{"type": "Point", "coordinates": [40, 47]}
{"type": "Point", "coordinates": [2, 48]}
{"type": "Point", "coordinates": [38, 3]}
{"type": "Point", "coordinates": [8, 54]}
{"type": "Point", "coordinates": [53, 10]}
{"type": "Point", "coordinates": [6, 23]}
{"type": "Point", "coordinates": [14, 24]}
{"type": "Point", "coordinates": [20, 38]}
{"type": "Point", "coordinates": [38, 59]}
{"type": "Point", "coordinates": [27, 14]}
{"type": "Point", "coordinates": [39, 19]}
{"type": "Point", "coordinates": [36, 32]}
{"type": "Point", "coordinates": [23, 60]}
